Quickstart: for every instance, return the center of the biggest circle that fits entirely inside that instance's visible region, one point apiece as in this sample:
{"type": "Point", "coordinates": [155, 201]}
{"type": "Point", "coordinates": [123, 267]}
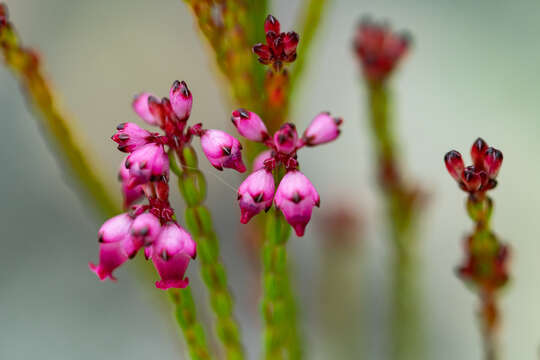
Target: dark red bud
{"type": "Point", "coordinates": [492, 162]}
{"type": "Point", "coordinates": [290, 42]}
{"type": "Point", "coordinates": [3, 15]}
{"type": "Point", "coordinates": [454, 164]}
{"type": "Point", "coordinates": [471, 179]}
{"type": "Point", "coordinates": [271, 24]}
{"type": "Point", "coordinates": [477, 152]}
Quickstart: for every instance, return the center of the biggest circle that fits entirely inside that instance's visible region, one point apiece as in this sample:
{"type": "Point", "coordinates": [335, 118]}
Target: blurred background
{"type": "Point", "coordinates": [474, 70]}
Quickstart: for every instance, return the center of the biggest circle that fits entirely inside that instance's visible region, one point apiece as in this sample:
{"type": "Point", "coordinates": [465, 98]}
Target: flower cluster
{"type": "Point", "coordinates": [479, 177]}
{"type": "Point", "coordinates": [379, 49]}
{"type": "Point", "coordinates": [145, 173]}
{"type": "Point", "coordinates": [295, 195]}
{"type": "Point", "coordinates": [280, 47]}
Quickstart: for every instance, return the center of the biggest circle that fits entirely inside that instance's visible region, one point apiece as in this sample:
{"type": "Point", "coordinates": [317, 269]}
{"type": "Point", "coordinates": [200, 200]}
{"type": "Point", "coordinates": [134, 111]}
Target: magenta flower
{"type": "Point", "coordinates": [222, 150]}
{"type": "Point", "coordinates": [296, 197]}
{"type": "Point", "coordinates": [256, 194]}
{"type": "Point", "coordinates": [131, 137]}
{"type": "Point", "coordinates": [145, 172]}
{"type": "Point", "coordinates": [480, 177]}
{"type": "Point", "coordinates": [146, 163]}
{"type": "Point", "coordinates": [171, 254]}
{"type": "Point", "coordinates": [131, 194]}
{"type": "Point", "coordinates": [249, 125]}
{"type": "Point", "coordinates": [323, 128]}
{"type": "Point", "coordinates": [181, 100]}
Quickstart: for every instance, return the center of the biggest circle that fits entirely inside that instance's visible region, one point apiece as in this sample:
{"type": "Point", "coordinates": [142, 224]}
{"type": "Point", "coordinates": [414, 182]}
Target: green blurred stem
{"type": "Point", "coordinates": [278, 303]}
{"type": "Point", "coordinates": [25, 64]}
{"type": "Point", "coordinates": [186, 316]}
{"type": "Point", "coordinates": [311, 19]}
{"type": "Point", "coordinates": [401, 202]}
{"type": "Point", "coordinates": [192, 185]}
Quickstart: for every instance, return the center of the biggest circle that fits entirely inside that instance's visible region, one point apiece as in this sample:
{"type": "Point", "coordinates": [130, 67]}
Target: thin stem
{"type": "Point", "coordinates": [278, 303]}
{"type": "Point", "coordinates": [186, 317]}
{"type": "Point", "coordinates": [192, 186]}
{"type": "Point", "coordinates": [25, 64]}
{"type": "Point", "coordinates": [402, 208]}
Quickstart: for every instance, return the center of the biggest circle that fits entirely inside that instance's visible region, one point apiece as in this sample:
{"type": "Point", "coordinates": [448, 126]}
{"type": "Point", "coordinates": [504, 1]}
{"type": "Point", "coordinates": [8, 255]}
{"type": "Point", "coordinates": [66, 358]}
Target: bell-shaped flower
{"type": "Point", "coordinates": [131, 137]}
{"type": "Point", "coordinates": [286, 139]}
{"type": "Point", "coordinates": [147, 163]}
{"type": "Point", "coordinates": [322, 129]}
{"type": "Point", "coordinates": [130, 194]}
{"type": "Point", "coordinates": [144, 230]}
{"type": "Point", "coordinates": [115, 229]}
{"type": "Point", "coordinates": [222, 150]}
{"type": "Point", "coordinates": [296, 197]}
{"type": "Point", "coordinates": [249, 125]}
{"type": "Point", "coordinates": [111, 256]}
{"type": "Point", "coordinates": [171, 254]}
{"type": "Point", "coordinates": [141, 108]}
{"type": "Point", "coordinates": [256, 194]}
{"type": "Point", "coordinates": [181, 100]}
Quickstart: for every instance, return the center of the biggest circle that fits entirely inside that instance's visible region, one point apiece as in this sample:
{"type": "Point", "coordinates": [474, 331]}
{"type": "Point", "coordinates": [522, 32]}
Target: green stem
{"type": "Point", "coordinates": [192, 186]}
{"type": "Point", "coordinates": [186, 316]}
{"type": "Point", "coordinates": [278, 303]}
{"type": "Point", "coordinates": [402, 208]}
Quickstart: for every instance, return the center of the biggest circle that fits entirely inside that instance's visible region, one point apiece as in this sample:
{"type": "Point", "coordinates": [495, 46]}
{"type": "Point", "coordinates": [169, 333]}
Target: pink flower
{"type": "Point", "coordinates": [131, 137]}
{"type": "Point", "coordinates": [171, 254]}
{"type": "Point", "coordinates": [147, 163]}
{"type": "Point", "coordinates": [140, 106]}
{"type": "Point", "coordinates": [181, 99]}
{"type": "Point", "coordinates": [249, 125]}
{"type": "Point", "coordinates": [296, 197]}
{"type": "Point", "coordinates": [258, 163]}
{"type": "Point", "coordinates": [145, 230]}
{"type": "Point", "coordinates": [322, 129]}
{"type": "Point", "coordinates": [286, 139]}
{"type": "Point", "coordinates": [222, 150]}
{"type": "Point", "coordinates": [130, 194]}
{"type": "Point", "coordinates": [115, 229]}
{"type": "Point", "coordinates": [111, 256]}
{"type": "Point", "coordinates": [256, 194]}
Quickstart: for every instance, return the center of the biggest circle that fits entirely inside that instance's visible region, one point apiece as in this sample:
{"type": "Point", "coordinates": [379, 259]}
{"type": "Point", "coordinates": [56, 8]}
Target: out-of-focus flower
{"type": "Point", "coordinates": [280, 47]}
{"type": "Point", "coordinates": [256, 194]}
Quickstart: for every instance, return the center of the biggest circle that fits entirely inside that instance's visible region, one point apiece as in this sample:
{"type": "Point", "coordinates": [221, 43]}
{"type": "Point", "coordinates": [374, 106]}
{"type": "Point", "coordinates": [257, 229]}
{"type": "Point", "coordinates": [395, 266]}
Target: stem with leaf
{"type": "Point", "coordinates": [192, 185]}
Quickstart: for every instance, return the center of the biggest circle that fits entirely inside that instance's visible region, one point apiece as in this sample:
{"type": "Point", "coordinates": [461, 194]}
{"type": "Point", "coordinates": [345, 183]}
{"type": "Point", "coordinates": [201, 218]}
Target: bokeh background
{"type": "Point", "coordinates": [474, 71]}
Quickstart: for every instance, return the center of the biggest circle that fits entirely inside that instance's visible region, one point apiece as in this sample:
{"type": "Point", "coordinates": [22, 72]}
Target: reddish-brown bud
{"type": "Point", "coordinates": [271, 24]}
{"type": "Point", "coordinates": [477, 152]}
{"type": "Point", "coordinates": [454, 164]}
{"type": "Point", "coordinates": [492, 162]}
{"type": "Point", "coordinates": [471, 178]}
{"type": "Point", "coordinates": [3, 15]}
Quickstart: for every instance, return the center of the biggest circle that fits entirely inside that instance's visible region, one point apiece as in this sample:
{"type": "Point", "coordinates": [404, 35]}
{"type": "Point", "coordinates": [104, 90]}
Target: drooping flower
{"type": "Point", "coordinates": [222, 150]}
{"type": "Point", "coordinates": [171, 255]}
{"type": "Point", "coordinates": [115, 229]}
{"type": "Point", "coordinates": [249, 125]}
{"type": "Point", "coordinates": [322, 129]}
{"type": "Point", "coordinates": [296, 197]}
{"type": "Point", "coordinates": [111, 256]}
{"type": "Point", "coordinates": [256, 194]}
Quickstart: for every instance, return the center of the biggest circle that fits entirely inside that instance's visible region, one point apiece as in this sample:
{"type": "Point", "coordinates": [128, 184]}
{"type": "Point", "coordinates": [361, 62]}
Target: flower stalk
{"type": "Point", "coordinates": [192, 185]}
{"type": "Point", "coordinates": [25, 64]}
{"type": "Point", "coordinates": [186, 317]}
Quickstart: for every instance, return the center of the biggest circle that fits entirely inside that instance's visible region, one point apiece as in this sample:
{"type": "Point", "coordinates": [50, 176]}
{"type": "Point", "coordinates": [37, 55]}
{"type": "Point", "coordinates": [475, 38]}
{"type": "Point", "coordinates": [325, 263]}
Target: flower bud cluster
{"type": "Point", "coordinates": [379, 49]}
{"type": "Point", "coordinates": [295, 196]}
{"type": "Point", "coordinates": [479, 177]}
{"type": "Point", "coordinates": [280, 47]}
{"type": "Point", "coordinates": [152, 227]}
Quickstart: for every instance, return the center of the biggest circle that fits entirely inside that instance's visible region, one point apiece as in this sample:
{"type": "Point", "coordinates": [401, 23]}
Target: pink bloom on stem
{"type": "Point", "coordinates": [258, 163]}
{"type": "Point", "coordinates": [115, 229]}
{"type": "Point", "coordinates": [181, 99]}
{"type": "Point", "coordinates": [322, 129]}
{"type": "Point", "coordinates": [111, 256]}
{"type": "Point", "coordinates": [249, 125]}
{"type": "Point", "coordinates": [130, 194]}
{"type": "Point", "coordinates": [144, 230]}
{"type": "Point", "coordinates": [141, 107]}
{"type": "Point", "coordinates": [286, 138]}
{"type": "Point", "coordinates": [171, 254]}
{"type": "Point", "coordinates": [131, 137]}
{"type": "Point", "coordinates": [222, 150]}
{"type": "Point", "coordinates": [147, 163]}
{"type": "Point", "coordinates": [296, 197]}
{"type": "Point", "coordinates": [256, 194]}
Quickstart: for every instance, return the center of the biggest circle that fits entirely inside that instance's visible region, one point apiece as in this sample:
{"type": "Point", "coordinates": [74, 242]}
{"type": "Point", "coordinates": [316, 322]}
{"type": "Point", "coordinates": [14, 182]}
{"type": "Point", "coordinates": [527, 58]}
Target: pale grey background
{"type": "Point", "coordinates": [473, 71]}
